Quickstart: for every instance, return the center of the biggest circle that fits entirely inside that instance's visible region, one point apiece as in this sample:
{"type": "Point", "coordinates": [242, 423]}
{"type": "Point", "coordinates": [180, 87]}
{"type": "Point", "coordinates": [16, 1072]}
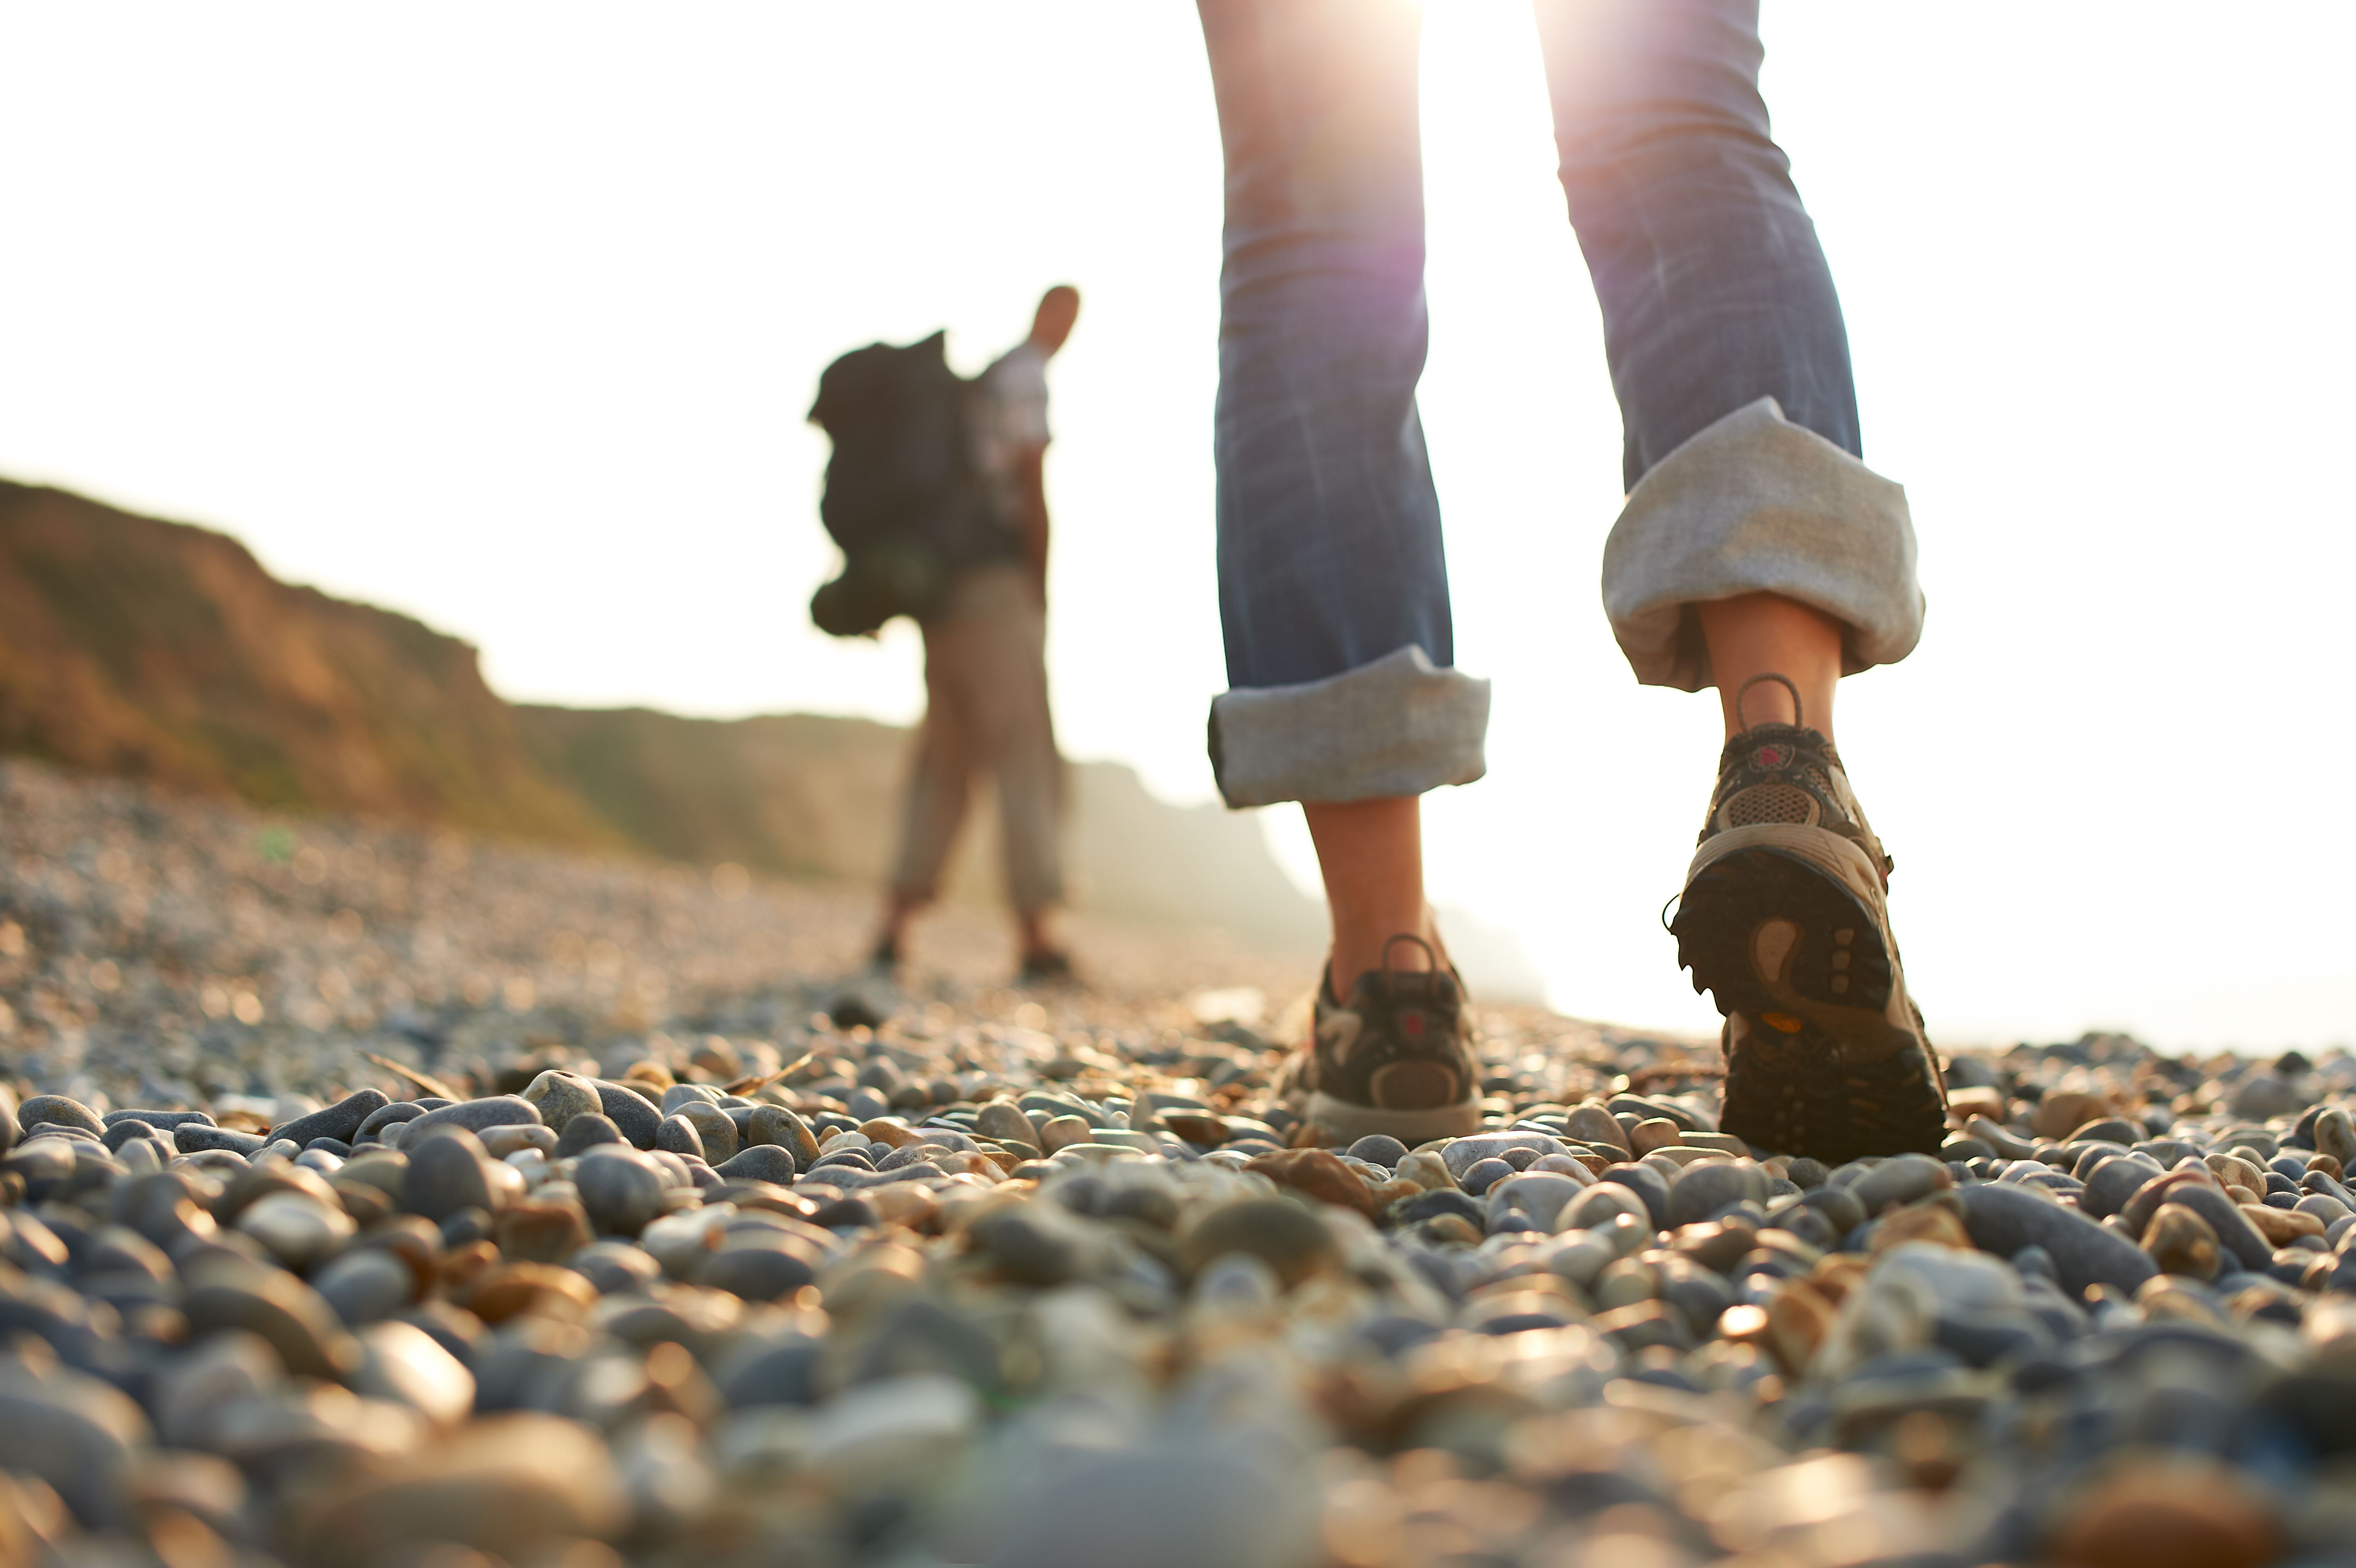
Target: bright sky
{"type": "Point", "coordinates": [507, 316]}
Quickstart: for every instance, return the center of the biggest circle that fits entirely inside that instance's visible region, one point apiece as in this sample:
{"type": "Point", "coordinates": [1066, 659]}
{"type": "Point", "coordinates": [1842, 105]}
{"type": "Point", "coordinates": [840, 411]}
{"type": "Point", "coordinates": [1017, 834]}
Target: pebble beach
{"type": "Point", "coordinates": [376, 1196]}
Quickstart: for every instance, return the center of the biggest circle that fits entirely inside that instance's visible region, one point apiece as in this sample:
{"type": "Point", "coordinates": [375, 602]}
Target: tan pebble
{"type": "Point", "coordinates": [2235, 1171]}
{"type": "Point", "coordinates": [1427, 1170]}
{"type": "Point", "coordinates": [2281, 1226]}
{"type": "Point", "coordinates": [2166, 1513]}
{"type": "Point", "coordinates": [1594, 1124]}
{"type": "Point", "coordinates": [1062, 1132]}
{"type": "Point", "coordinates": [2335, 1134]}
{"type": "Point", "coordinates": [1452, 1228]}
{"type": "Point", "coordinates": [1965, 1103]}
{"type": "Point", "coordinates": [1743, 1324]}
{"type": "Point", "coordinates": [2163, 1300]}
{"type": "Point", "coordinates": [1934, 1222]}
{"type": "Point", "coordinates": [542, 1290]}
{"type": "Point", "coordinates": [1318, 1173]}
{"type": "Point", "coordinates": [889, 1130]}
{"type": "Point", "coordinates": [2325, 1164]}
{"type": "Point", "coordinates": [1658, 1133]}
{"type": "Point", "coordinates": [1532, 1284]}
{"type": "Point", "coordinates": [1798, 1320]}
{"type": "Point", "coordinates": [1625, 1282]}
{"type": "Point", "coordinates": [902, 1203]}
{"type": "Point", "coordinates": [1838, 1273]}
{"type": "Point", "coordinates": [2061, 1114]}
{"type": "Point", "coordinates": [2180, 1242]}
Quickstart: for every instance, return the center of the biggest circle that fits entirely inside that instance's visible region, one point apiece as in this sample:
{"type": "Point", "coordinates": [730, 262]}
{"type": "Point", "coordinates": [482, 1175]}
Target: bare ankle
{"type": "Point", "coordinates": [1371, 855]}
{"type": "Point", "coordinates": [1775, 661]}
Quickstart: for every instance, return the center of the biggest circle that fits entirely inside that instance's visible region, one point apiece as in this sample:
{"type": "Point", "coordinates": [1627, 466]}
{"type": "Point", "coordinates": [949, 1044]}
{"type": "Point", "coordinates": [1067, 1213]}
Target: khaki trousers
{"type": "Point", "coordinates": [986, 712]}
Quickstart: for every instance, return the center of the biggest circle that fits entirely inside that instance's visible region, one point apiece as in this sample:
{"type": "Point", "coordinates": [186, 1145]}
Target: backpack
{"type": "Point", "coordinates": [904, 497]}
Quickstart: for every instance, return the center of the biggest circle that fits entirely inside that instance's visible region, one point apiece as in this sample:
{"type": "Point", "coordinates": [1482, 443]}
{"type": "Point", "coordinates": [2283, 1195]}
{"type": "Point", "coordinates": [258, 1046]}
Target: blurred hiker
{"type": "Point", "coordinates": [936, 492]}
{"type": "Point", "coordinates": [1756, 552]}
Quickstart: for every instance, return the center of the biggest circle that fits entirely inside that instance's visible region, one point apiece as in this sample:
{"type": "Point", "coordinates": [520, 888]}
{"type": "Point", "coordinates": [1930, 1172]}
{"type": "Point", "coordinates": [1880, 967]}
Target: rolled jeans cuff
{"type": "Point", "coordinates": [1756, 504]}
{"type": "Point", "coordinates": [1399, 726]}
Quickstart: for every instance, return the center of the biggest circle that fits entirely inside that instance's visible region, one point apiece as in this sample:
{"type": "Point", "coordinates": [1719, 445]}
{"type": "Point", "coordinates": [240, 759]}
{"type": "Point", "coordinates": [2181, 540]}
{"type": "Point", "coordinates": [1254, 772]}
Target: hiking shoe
{"type": "Point", "coordinates": [1047, 966]}
{"type": "Point", "coordinates": [1396, 1059]}
{"type": "Point", "coordinates": [1785, 921]}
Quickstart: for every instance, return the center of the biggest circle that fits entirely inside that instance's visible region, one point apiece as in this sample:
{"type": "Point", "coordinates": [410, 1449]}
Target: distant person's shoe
{"type": "Point", "coordinates": [1048, 966]}
{"type": "Point", "coordinates": [883, 959]}
{"type": "Point", "coordinates": [1785, 920]}
{"type": "Point", "coordinates": [1396, 1059]}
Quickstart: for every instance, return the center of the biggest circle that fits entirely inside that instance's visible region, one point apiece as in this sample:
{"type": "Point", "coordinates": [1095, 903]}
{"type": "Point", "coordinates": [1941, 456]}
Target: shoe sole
{"type": "Point", "coordinates": [1346, 1122]}
{"type": "Point", "coordinates": [1773, 928]}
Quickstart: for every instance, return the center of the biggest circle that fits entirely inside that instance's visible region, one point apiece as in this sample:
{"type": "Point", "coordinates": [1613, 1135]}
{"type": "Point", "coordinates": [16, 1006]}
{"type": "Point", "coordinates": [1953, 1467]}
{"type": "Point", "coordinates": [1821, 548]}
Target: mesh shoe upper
{"type": "Point", "coordinates": [1782, 773]}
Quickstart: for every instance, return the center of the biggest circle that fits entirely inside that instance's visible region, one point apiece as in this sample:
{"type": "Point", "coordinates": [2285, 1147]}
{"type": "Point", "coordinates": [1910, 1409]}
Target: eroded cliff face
{"type": "Point", "coordinates": [158, 650]}
{"type": "Point", "coordinates": [136, 646]}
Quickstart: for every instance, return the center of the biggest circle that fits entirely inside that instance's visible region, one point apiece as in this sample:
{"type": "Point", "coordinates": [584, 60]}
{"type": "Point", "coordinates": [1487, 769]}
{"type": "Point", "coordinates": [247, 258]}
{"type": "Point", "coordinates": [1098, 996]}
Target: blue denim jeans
{"type": "Point", "coordinates": [1725, 339]}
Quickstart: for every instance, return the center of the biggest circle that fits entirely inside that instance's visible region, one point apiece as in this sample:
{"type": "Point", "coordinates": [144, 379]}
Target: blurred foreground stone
{"type": "Point", "coordinates": [528, 1252]}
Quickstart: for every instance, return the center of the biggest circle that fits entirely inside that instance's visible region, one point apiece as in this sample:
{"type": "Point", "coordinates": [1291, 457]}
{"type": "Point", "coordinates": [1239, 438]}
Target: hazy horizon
{"type": "Point", "coordinates": [509, 320]}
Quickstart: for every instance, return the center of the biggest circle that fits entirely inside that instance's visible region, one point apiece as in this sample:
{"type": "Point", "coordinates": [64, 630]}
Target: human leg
{"type": "Point", "coordinates": [940, 788]}
{"type": "Point", "coordinates": [1756, 553]}
{"type": "Point", "coordinates": [1006, 676]}
{"type": "Point", "coordinates": [1333, 580]}
{"type": "Point", "coordinates": [1370, 856]}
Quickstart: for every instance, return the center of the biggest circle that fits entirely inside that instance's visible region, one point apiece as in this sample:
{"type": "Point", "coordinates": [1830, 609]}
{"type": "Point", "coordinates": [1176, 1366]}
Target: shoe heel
{"type": "Point", "coordinates": [1766, 932]}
